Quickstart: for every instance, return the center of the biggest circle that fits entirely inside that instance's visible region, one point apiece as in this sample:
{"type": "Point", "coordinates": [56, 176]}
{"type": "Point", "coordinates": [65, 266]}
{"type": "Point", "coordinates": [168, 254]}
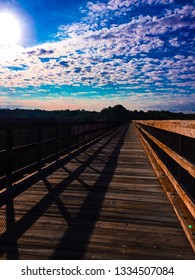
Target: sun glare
{"type": "Point", "coordinates": [10, 31]}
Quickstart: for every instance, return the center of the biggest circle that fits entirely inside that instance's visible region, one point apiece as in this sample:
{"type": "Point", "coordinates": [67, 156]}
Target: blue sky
{"type": "Point", "coordinates": [93, 54]}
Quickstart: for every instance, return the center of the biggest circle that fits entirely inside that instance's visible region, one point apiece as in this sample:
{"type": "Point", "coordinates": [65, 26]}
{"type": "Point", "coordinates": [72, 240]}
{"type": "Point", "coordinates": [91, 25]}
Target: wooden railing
{"type": "Point", "coordinates": [173, 145]}
{"type": "Point", "coordinates": [27, 146]}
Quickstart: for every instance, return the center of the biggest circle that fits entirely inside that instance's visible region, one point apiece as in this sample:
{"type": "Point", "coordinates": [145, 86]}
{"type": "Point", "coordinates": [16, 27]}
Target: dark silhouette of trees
{"type": "Point", "coordinates": [161, 115]}
{"type": "Point", "coordinates": [116, 113]}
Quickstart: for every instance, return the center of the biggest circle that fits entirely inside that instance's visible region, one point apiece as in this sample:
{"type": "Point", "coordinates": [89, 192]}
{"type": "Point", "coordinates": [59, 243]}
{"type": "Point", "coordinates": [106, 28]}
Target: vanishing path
{"type": "Point", "coordinates": [105, 203]}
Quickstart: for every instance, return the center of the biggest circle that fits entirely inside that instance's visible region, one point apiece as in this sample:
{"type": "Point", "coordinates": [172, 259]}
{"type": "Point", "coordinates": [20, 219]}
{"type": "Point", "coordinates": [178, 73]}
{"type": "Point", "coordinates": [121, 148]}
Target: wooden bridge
{"type": "Point", "coordinates": [111, 195]}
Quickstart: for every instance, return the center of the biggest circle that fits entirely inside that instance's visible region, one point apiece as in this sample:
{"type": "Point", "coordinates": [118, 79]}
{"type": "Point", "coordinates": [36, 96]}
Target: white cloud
{"type": "Point", "coordinates": [92, 53]}
{"type": "Point", "coordinates": [174, 42]}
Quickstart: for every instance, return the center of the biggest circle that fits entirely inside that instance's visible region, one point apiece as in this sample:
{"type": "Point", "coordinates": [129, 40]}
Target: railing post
{"type": "Point", "coordinates": [69, 137]}
{"type": "Point", "coordinates": [84, 132]}
{"type": "Point", "coordinates": [39, 145]}
{"type": "Point", "coordinates": [78, 131]}
{"type": "Point", "coordinates": [179, 152]}
{"type": "Point", "coordinates": [96, 130]}
{"type": "Point", "coordinates": [57, 134]}
{"type": "Point", "coordinates": [9, 162]}
{"type": "Point", "coordinates": [89, 131]}
{"type": "Point", "coordinates": [37, 150]}
{"type": "Point", "coordinates": [96, 135]}
{"type": "Point", "coordinates": [93, 130]}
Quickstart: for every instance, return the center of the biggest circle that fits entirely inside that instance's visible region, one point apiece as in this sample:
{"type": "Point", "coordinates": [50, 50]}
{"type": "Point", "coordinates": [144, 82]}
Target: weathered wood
{"type": "Point", "coordinates": [186, 128]}
{"type": "Point", "coordinates": [186, 219]}
{"type": "Point", "coordinates": [105, 203]}
{"type": "Point", "coordinates": [75, 138]}
{"type": "Point", "coordinates": [188, 166]}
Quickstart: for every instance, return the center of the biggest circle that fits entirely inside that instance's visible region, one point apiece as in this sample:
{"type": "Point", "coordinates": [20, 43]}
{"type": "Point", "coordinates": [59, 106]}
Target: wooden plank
{"type": "Point", "coordinates": [105, 203]}
{"type": "Point", "coordinates": [188, 166]}
{"type": "Point", "coordinates": [185, 198]}
{"type": "Point", "coordinates": [186, 219]}
{"type": "Point", "coordinates": [186, 128]}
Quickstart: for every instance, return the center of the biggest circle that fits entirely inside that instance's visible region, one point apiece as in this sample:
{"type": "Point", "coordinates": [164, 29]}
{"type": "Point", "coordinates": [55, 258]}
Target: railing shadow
{"type": "Point", "coordinates": [73, 244]}
{"type": "Point", "coordinates": [12, 250]}
{"type": "Point", "coordinates": [76, 232]}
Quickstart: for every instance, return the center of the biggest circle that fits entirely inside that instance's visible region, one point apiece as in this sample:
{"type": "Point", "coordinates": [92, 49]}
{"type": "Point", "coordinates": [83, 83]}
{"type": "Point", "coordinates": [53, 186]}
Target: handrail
{"type": "Point", "coordinates": [183, 127]}
{"type": "Point", "coordinates": [188, 166]}
{"type": "Point", "coordinates": [17, 159]}
{"type": "Point", "coordinates": [167, 143]}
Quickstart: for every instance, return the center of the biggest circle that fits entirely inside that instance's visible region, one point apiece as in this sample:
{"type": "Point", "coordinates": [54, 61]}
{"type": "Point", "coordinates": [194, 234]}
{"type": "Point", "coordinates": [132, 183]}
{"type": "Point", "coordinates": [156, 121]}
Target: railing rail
{"type": "Point", "coordinates": [26, 146]}
{"type": "Point", "coordinates": [172, 143]}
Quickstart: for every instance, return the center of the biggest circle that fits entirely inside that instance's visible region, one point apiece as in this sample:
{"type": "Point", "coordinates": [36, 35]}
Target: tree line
{"type": "Point", "coordinates": [115, 113]}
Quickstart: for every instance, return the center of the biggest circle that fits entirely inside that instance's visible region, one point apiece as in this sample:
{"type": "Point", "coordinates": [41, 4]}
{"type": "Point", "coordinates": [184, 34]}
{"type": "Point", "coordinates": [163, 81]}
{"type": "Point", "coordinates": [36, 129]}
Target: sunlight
{"type": "Point", "coordinates": [10, 30]}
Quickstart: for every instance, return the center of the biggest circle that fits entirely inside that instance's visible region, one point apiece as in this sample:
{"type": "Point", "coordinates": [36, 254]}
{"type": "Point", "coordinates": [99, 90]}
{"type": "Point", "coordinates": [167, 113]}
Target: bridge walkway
{"type": "Point", "coordinates": [106, 202]}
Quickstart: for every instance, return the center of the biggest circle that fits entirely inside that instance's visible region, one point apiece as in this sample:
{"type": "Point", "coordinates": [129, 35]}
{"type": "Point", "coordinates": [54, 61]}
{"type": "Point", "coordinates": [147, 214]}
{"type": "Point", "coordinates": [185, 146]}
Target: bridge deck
{"type": "Point", "coordinates": [105, 203]}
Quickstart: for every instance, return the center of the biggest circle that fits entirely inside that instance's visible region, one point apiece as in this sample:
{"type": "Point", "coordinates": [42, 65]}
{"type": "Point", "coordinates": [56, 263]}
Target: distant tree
{"type": "Point", "coordinates": [116, 113]}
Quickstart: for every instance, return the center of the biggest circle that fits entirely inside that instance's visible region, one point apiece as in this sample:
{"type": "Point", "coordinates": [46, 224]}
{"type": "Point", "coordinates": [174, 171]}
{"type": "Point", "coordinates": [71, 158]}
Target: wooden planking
{"type": "Point", "coordinates": [185, 217]}
{"type": "Point", "coordinates": [106, 203]}
{"type": "Point", "coordinates": [185, 197]}
{"type": "Point", "coordinates": [182, 162]}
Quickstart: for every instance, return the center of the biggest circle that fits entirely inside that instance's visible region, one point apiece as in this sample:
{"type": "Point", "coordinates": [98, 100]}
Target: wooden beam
{"type": "Point", "coordinates": [189, 167]}
{"type": "Point", "coordinates": [186, 128]}
{"type": "Point", "coordinates": [185, 217]}
{"type": "Point", "coordinates": [188, 202]}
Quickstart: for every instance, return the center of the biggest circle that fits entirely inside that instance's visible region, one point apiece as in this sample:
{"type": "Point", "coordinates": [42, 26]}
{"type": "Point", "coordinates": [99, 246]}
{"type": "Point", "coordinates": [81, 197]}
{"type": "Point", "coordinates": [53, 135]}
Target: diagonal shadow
{"type": "Point", "coordinates": [74, 242]}
{"type": "Point", "coordinates": [60, 205]}
{"type": "Point", "coordinates": [12, 250]}
{"type": "Point", "coordinates": [21, 226]}
{"type": "Point", "coordinates": [83, 183]}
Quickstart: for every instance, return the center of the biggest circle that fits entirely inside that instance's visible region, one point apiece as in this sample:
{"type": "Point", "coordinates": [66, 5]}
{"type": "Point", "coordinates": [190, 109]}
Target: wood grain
{"type": "Point", "coordinates": [105, 203]}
